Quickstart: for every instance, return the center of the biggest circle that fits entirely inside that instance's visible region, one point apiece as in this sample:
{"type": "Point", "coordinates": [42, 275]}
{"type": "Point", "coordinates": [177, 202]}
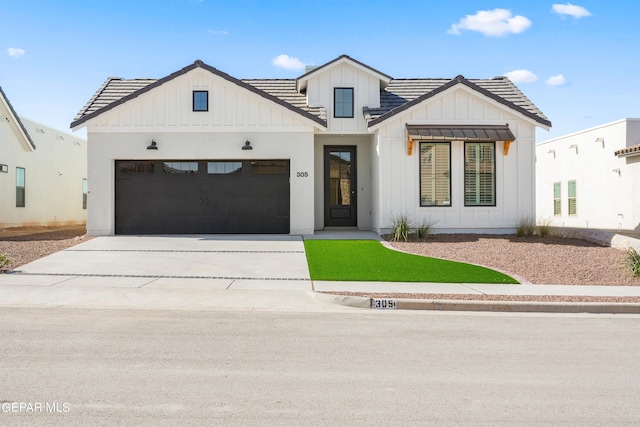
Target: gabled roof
{"type": "Point", "coordinates": [633, 150]}
{"type": "Point", "coordinates": [301, 82]}
{"type": "Point", "coordinates": [398, 95]}
{"type": "Point", "coordinates": [402, 94]}
{"type": "Point", "coordinates": [14, 116]}
{"type": "Point", "coordinates": [116, 92]}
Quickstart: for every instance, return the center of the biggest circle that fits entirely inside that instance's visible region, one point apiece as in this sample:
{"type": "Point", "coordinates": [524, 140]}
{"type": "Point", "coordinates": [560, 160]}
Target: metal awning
{"type": "Point", "coordinates": [476, 133]}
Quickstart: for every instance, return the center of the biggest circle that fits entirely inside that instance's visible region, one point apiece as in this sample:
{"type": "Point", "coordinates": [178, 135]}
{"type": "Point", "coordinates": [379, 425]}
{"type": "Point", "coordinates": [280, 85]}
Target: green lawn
{"type": "Point", "coordinates": [368, 260]}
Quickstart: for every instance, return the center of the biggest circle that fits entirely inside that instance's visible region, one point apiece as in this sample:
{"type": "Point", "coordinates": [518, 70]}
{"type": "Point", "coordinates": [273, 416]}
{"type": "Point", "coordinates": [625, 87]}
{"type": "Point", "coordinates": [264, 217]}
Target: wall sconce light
{"type": "Point", "coordinates": [616, 170]}
{"type": "Point", "coordinates": [574, 146]}
{"type": "Point", "coordinates": [247, 146]}
{"type": "Point", "coordinates": [552, 152]}
{"type": "Point", "coordinates": [60, 137]}
{"type": "Point", "coordinates": [39, 130]}
{"type": "Point", "coordinates": [153, 146]}
{"type": "Point", "coordinates": [600, 140]}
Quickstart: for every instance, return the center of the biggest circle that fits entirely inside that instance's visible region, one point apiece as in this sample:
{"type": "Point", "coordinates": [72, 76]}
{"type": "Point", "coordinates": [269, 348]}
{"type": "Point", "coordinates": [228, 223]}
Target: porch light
{"type": "Point", "coordinates": [600, 140]}
{"type": "Point", "coordinates": [552, 152]}
{"type": "Point", "coordinates": [574, 146]}
{"type": "Point", "coordinates": [247, 146]}
{"type": "Point", "coordinates": [153, 146]}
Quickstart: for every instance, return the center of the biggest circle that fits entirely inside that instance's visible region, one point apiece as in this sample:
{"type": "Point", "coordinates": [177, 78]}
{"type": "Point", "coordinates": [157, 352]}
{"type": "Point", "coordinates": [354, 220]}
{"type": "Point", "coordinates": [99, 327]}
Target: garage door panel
{"type": "Point", "coordinates": [233, 199]}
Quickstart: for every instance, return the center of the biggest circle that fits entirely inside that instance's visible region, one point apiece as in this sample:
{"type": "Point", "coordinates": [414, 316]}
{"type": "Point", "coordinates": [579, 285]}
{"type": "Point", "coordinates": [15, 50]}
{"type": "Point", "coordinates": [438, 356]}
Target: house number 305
{"type": "Point", "coordinates": [302, 174]}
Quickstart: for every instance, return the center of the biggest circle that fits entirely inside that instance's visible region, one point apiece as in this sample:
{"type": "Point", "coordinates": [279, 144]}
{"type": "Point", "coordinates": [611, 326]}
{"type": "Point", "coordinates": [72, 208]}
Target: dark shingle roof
{"type": "Point", "coordinates": [399, 95]}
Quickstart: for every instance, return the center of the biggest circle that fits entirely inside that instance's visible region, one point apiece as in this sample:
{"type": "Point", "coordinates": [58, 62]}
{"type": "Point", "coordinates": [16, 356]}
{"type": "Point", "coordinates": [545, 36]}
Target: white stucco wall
{"type": "Point", "coordinates": [54, 171]}
{"type": "Point", "coordinates": [399, 185]}
{"type": "Point", "coordinates": [606, 199]}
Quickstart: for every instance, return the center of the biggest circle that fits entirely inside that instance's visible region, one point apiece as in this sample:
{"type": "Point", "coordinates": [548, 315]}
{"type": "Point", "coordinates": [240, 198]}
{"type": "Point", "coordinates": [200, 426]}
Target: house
{"type": "Point", "coordinates": [43, 173]}
{"type": "Point", "coordinates": [591, 179]}
{"type": "Point", "coordinates": [343, 145]}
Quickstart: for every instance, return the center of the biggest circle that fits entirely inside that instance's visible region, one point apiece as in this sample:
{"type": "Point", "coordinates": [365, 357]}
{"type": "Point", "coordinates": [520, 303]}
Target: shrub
{"type": "Point", "coordinates": [544, 229]}
{"type": "Point", "coordinates": [4, 260]}
{"type": "Point", "coordinates": [425, 228]}
{"type": "Point", "coordinates": [632, 262]}
{"type": "Point", "coordinates": [526, 227]}
{"type": "Point", "coordinates": [401, 227]}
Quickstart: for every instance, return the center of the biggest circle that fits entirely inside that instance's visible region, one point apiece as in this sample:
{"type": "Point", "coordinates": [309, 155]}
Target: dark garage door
{"type": "Point", "coordinates": [202, 197]}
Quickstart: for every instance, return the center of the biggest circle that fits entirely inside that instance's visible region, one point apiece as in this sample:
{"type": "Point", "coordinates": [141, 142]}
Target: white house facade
{"type": "Point", "coordinates": [343, 145]}
{"type": "Point", "coordinates": [43, 173]}
{"type": "Point", "coordinates": [591, 179]}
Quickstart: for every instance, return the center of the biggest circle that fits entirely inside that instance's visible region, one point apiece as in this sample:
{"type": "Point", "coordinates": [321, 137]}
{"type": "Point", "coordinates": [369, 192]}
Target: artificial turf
{"type": "Point", "coordinates": [368, 260]}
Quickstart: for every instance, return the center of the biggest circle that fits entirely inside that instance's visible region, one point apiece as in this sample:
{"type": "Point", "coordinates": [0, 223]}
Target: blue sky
{"type": "Point", "coordinates": [578, 62]}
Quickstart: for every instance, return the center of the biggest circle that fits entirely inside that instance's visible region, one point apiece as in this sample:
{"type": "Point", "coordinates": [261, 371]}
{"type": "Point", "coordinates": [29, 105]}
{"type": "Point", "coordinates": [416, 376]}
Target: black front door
{"type": "Point", "coordinates": [340, 186]}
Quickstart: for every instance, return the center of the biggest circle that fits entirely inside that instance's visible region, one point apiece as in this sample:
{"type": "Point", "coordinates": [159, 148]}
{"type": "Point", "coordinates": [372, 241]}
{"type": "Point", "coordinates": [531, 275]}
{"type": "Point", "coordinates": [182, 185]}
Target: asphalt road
{"type": "Point", "coordinates": [106, 367]}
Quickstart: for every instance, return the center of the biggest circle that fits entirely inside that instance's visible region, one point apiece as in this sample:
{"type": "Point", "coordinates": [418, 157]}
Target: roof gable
{"type": "Point", "coordinates": [115, 92]}
{"type": "Point", "coordinates": [301, 82]}
{"type": "Point", "coordinates": [15, 122]}
{"type": "Point", "coordinates": [398, 99]}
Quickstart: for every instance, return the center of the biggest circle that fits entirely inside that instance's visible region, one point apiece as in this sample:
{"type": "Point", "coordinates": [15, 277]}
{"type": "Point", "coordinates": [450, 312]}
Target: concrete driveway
{"type": "Point", "coordinates": [202, 262]}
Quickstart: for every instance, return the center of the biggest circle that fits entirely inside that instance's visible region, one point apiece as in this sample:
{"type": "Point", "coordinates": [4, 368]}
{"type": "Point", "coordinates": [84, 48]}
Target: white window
{"type": "Point", "coordinates": [435, 174]}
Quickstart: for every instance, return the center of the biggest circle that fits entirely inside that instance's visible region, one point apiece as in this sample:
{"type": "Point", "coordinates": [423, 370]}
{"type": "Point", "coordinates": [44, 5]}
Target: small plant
{"type": "Point", "coordinates": [425, 228]}
{"type": "Point", "coordinates": [4, 260]}
{"type": "Point", "coordinates": [632, 262]}
{"type": "Point", "coordinates": [526, 227]}
{"type": "Point", "coordinates": [401, 227]}
{"type": "Point", "coordinates": [544, 229]}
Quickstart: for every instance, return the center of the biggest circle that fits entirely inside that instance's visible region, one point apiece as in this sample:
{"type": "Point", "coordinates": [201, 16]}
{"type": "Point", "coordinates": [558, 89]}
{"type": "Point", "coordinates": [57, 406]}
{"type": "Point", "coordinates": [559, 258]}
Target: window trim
{"type": "Point", "coordinates": [22, 188]}
{"type": "Point", "coordinates": [420, 172]}
{"type": "Point", "coordinates": [193, 103]}
{"type": "Point", "coordinates": [335, 103]}
{"type": "Point", "coordinates": [85, 192]}
{"type": "Point", "coordinates": [464, 177]}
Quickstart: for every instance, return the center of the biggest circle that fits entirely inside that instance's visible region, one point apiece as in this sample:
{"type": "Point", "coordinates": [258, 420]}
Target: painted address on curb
{"type": "Point", "coordinates": [383, 304]}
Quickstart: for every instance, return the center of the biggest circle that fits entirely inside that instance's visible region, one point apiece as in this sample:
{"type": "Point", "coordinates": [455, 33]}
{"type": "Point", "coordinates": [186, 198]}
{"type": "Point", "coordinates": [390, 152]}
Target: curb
{"type": "Point", "coordinates": [490, 306]}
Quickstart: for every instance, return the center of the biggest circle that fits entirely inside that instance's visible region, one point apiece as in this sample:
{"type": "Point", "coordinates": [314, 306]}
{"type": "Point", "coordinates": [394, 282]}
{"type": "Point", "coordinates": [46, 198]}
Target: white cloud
{"type": "Point", "coordinates": [571, 10]}
{"type": "Point", "coordinates": [218, 32]}
{"type": "Point", "coordinates": [521, 76]}
{"type": "Point", "coordinates": [15, 52]}
{"type": "Point", "coordinates": [496, 23]}
{"type": "Point", "coordinates": [287, 62]}
{"type": "Point", "coordinates": [558, 80]}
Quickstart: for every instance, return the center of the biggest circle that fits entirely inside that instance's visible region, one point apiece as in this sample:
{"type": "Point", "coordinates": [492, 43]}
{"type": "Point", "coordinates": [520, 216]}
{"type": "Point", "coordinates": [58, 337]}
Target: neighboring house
{"type": "Point", "coordinates": [591, 179]}
{"type": "Point", "coordinates": [43, 173]}
{"type": "Point", "coordinates": [343, 145]}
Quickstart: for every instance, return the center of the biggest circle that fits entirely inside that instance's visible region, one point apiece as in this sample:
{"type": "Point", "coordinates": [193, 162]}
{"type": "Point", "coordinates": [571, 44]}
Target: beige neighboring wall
{"type": "Point", "coordinates": [54, 171]}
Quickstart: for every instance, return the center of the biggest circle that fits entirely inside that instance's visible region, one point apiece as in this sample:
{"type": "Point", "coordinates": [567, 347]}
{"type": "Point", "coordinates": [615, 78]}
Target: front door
{"type": "Point", "coordinates": [340, 186]}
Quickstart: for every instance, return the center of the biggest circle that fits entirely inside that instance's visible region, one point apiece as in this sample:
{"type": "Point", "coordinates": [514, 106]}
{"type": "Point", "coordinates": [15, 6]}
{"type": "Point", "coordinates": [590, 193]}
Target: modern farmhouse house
{"type": "Point", "coordinates": [590, 179]}
{"type": "Point", "coordinates": [43, 173]}
{"type": "Point", "coordinates": [343, 145]}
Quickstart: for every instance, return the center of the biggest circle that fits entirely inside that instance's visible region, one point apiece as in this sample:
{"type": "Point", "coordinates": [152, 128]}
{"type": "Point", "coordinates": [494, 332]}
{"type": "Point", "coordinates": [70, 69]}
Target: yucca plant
{"type": "Point", "coordinates": [425, 228]}
{"type": "Point", "coordinates": [525, 227]}
{"type": "Point", "coordinates": [632, 262]}
{"type": "Point", "coordinates": [401, 227]}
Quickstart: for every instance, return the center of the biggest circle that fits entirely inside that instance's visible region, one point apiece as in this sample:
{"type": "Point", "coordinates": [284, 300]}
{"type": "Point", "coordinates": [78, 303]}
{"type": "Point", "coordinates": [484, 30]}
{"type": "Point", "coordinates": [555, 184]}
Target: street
{"type": "Point", "coordinates": [145, 367]}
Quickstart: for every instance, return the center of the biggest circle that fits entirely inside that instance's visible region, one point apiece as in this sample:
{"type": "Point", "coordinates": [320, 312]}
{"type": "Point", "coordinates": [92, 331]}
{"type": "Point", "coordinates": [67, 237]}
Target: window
{"type": "Point", "coordinates": [4, 168]}
{"type": "Point", "coordinates": [557, 201]}
{"type": "Point", "coordinates": [180, 168]}
{"type": "Point", "coordinates": [200, 100]}
{"type": "Point", "coordinates": [571, 190]}
{"type": "Point", "coordinates": [224, 168]}
{"type": "Point", "coordinates": [269, 167]}
{"type": "Point", "coordinates": [20, 188]}
{"type": "Point", "coordinates": [84, 193]}
{"type": "Point", "coordinates": [479, 174]}
{"type": "Point", "coordinates": [141, 167]}
{"type": "Point", "coordinates": [435, 174]}
{"type": "Point", "coordinates": [343, 102]}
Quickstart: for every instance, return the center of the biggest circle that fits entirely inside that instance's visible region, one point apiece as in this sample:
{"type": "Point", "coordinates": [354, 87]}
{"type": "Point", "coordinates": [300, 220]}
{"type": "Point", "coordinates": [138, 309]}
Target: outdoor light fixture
{"type": "Point", "coordinates": [600, 140]}
{"type": "Point", "coordinates": [552, 152]}
{"type": "Point", "coordinates": [153, 146]}
{"type": "Point", "coordinates": [574, 146]}
{"type": "Point", "coordinates": [616, 170]}
{"type": "Point", "coordinates": [247, 146]}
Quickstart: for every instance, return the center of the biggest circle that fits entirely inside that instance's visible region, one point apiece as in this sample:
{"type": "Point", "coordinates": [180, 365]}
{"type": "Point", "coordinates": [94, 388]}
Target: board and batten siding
{"type": "Point", "coordinates": [399, 186]}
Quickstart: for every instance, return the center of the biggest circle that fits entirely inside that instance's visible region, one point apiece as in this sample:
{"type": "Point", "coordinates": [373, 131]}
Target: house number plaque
{"type": "Point", "coordinates": [383, 304]}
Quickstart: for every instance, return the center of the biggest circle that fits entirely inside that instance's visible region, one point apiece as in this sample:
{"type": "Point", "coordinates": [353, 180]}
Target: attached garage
{"type": "Point", "coordinates": [202, 197]}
